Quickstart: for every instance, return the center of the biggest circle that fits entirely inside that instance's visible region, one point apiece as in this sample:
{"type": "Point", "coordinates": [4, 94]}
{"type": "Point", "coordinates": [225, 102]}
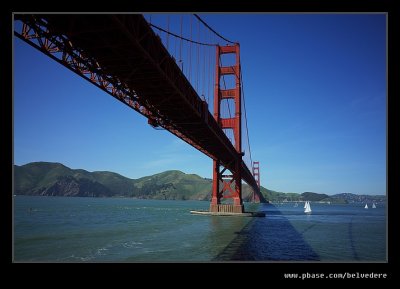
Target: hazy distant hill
{"type": "Point", "coordinates": [353, 198]}
{"type": "Point", "coordinates": [55, 179]}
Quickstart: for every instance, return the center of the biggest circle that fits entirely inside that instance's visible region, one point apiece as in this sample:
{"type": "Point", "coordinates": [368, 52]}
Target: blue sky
{"type": "Point", "coordinates": [315, 87]}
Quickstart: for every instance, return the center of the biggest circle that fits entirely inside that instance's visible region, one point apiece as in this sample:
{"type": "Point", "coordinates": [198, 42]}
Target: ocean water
{"type": "Point", "coordinates": [69, 229]}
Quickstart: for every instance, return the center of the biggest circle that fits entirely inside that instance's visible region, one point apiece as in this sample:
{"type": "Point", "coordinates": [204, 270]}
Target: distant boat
{"type": "Point", "coordinates": [295, 204]}
{"type": "Point", "coordinates": [373, 206]}
{"type": "Point", "coordinates": [305, 205]}
{"type": "Point", "coordinates": [307, 208]}
{"type": "Point", "coordinates": [366, 206]}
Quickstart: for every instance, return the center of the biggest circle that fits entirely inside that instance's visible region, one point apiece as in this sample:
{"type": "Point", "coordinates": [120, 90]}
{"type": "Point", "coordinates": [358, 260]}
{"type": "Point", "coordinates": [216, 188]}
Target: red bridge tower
{"type": "Point", "coordinates": [231, 183]}
{"type": "Point", "coordinates": [256, 174]}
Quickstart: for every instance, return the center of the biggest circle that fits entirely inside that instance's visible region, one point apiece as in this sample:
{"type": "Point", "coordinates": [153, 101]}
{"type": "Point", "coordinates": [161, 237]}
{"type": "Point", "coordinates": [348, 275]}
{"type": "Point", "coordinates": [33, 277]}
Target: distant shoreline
{"type": "Point", "coordinates": [246, 202]}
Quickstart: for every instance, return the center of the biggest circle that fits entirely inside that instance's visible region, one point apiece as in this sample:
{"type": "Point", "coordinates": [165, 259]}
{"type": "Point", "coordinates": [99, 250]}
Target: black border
{"type": "Point", "coordinates": [224, 273]}
{"type": "Point", "coordinates": [6, 131]}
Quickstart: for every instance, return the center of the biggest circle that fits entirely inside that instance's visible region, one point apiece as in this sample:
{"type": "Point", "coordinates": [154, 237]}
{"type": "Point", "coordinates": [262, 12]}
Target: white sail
{"type": "Point", "coordinates": [308, 208]}
{"type": "Point", "coordinates": [305, 205]}
{"type": "Point", "coordinates": [366, 206]}
{"type": "Point", "coordinates": [373, 206]}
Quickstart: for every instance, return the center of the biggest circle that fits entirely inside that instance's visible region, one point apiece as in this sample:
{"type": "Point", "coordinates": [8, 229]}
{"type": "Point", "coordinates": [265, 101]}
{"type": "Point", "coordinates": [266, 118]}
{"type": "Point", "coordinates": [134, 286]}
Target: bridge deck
{"type": "Point", "coordinates": [128, 50]}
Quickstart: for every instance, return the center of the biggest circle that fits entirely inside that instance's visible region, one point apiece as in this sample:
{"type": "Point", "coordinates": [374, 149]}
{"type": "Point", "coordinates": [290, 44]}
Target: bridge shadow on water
{"type": "Point", "coordinates": [272, 238]}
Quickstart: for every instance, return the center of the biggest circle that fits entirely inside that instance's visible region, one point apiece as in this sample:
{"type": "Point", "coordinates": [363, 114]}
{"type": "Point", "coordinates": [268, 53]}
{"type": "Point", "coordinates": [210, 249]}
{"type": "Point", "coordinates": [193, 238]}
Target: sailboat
{"type": "Point", "coordinates": [295, 204]}
{"type": "Point", "coordinates": [307, 208]}
{"type": "Point", "coordinates": [366, 206]}
{"type": "Point", "coordinates": [373, 206]}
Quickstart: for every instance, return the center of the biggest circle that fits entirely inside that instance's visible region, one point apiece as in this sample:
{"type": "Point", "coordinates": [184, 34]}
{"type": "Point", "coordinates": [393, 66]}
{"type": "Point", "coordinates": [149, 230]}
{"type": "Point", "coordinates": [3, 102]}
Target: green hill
{"type": "Point", "coordinates": [173, 185]}
{"type": "Point", "coordinates": [55, 179]}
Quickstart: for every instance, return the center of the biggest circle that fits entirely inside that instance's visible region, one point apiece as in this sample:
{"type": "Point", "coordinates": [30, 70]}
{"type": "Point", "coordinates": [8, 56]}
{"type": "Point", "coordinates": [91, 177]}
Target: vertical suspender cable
{"type": "Point", "coordinates": [245, 117]}
{"type": "Point", "coordinates": [190, 50]}
{"type": "Point", "coordinates": [168, 31]}
{"type": "Point", "coordinates": [210, 55]}
{"type": "Point", "coordinates": [175, 48]}
{"type": "Point", "coordinates": [204, 69]}
{"type": "Point", "coordinates": [198, 58]}
{"type": "Point", "coordinates": [180, 46]}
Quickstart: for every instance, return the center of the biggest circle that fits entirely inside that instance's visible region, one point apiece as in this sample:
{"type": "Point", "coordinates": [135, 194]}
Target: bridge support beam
{"type": "Point", "coordinates": [228, 185]}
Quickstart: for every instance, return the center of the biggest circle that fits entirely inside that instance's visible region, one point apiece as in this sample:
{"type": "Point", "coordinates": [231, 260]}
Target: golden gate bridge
{"type": "Point", "coordinates": [172, 69]}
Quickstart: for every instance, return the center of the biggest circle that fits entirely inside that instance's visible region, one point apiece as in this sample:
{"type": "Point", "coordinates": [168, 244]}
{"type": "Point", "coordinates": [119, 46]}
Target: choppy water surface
{"type": "Point", "coordinates": [62, 229]}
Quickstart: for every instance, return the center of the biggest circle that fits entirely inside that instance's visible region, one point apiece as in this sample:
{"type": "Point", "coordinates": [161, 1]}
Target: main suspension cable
{"type": "Point", "coordinates": [215, 32]}
{"type": "Point", "coordinates": [181, 37]}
